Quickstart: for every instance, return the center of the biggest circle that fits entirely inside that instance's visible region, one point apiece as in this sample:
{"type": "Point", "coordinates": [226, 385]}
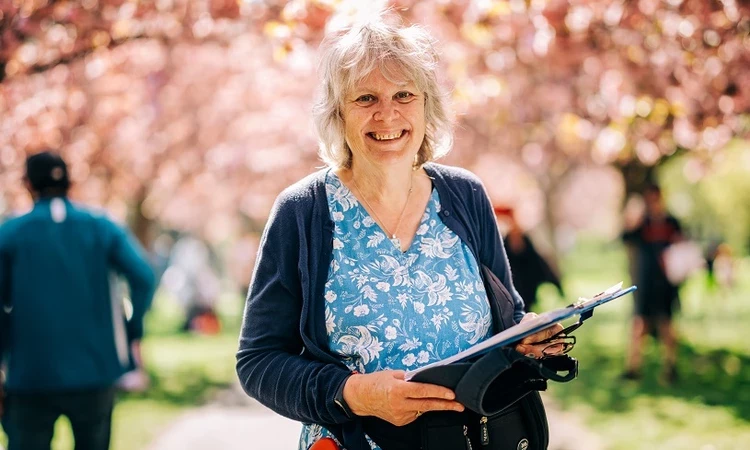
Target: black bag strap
{"type": "Point", "coordinates": [560, 368]}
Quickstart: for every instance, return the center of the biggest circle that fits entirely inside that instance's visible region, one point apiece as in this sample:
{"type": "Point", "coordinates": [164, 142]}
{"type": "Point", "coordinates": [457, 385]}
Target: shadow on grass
{"type": "Point", "coordinates": [715, 378]}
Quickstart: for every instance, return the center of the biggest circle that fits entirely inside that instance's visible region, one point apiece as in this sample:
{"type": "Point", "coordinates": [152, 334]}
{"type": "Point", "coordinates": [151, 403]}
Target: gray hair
{"type": "Point", "coordinates": [400, 53]}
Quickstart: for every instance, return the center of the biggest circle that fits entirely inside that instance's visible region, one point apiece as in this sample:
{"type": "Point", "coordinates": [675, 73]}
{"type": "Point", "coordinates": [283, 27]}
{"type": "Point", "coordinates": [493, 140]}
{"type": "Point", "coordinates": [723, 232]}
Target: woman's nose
{"type": "Point", "coordinates": [386, 110]}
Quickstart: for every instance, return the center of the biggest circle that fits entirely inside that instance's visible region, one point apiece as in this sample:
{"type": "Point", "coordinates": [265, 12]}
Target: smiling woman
{"type": "Point", "coordinates": [384, 121]}
{"type": "Point", "coordinates": [403, 56]}
{"type": "Point", "coordinates": [380, 263]}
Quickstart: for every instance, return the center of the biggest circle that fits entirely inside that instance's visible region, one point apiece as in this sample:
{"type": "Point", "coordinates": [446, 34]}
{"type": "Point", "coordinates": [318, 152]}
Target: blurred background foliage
{"type": "Point", "coordinates": [718, 207]}
{"type": "Point", "coordinates": [188, 117]}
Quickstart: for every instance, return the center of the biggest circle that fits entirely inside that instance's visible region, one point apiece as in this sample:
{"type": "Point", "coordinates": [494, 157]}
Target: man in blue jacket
{"type": "Point", "coordinates": [64, 338]}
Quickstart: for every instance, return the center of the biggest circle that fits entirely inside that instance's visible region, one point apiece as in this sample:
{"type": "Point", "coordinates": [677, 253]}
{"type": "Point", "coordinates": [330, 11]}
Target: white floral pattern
{"type": "Point", "coordinates": [388, 309]}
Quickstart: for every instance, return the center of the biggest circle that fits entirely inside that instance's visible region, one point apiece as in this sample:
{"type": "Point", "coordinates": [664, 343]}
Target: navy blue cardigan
{"type": "Point", "coordinates": [283, 359]}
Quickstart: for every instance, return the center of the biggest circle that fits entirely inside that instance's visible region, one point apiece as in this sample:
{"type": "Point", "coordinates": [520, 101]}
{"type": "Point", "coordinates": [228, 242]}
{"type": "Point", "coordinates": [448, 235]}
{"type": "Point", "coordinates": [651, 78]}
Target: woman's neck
{"type": "Point", "coordinates": [382, 184]}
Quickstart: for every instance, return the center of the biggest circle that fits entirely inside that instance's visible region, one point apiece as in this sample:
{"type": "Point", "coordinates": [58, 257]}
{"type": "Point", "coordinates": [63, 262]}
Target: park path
{"type": "Point", "coordinates": [233, 421]}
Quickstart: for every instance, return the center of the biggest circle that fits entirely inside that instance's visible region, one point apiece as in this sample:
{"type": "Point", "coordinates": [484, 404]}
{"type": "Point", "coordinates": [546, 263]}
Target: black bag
{"type": "Point", "coordinates": [504, 409]}
{"type": "Point", "coordinates": [508, 429]}
{"type": "Point", "coordinates": [499, 378]}
{"type": "Point", "coordinates": [500, 391]}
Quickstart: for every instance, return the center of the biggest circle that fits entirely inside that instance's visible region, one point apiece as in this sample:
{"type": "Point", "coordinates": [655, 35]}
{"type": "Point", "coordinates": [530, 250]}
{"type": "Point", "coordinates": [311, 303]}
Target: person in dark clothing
{"type": "Point", "coordinates": [65, 339]}
{"type": "Point", "coordinates": [656, 297]}
{"type": "Point", "coordinates": [530, 270]}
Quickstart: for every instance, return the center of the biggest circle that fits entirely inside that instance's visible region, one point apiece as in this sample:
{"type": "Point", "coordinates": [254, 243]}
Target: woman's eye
{"type": "Point", "coordinates": [403, 95]}
{"type": "Point", "coordinates": [367, 98]}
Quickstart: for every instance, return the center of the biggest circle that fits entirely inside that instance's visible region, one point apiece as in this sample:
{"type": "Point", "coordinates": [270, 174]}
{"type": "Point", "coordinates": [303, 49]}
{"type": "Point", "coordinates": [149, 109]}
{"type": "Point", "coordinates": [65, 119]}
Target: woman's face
{"type": "Point", "coordinates": [384, 122]}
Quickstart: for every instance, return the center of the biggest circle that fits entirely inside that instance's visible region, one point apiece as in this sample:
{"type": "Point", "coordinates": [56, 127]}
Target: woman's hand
{"type": "Point", "coordinates": [386, 395]}
{"type": "Point", "coordinates": [527, 347]}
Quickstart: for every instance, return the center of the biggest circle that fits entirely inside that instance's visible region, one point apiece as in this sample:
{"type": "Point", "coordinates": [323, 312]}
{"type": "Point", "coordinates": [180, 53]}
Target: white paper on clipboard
{"type": "Point", "coordinates": [529, 327]}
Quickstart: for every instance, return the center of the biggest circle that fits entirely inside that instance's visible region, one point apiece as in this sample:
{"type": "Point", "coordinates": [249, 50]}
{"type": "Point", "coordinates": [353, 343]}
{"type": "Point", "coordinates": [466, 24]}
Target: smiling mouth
{"type": "Point", "coordinates": [386, 137]}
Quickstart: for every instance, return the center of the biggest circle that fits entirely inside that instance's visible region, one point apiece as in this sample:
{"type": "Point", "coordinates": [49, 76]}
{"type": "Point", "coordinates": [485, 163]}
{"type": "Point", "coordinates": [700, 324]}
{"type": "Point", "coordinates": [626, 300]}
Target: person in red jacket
{"type": "Point", "coordinates": [529, 268]}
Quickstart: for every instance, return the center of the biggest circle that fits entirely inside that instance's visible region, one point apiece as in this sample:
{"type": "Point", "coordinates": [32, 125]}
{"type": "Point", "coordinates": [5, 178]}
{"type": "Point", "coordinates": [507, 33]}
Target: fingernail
{"type": "Point", "coordinates": [450, 396]}
{"type": "Point", "coordinates": [530, 355]}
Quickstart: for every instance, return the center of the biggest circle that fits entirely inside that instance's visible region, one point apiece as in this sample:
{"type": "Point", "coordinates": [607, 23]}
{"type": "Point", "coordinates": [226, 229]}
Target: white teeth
{"type": "Point", "coordinates": [386, 137]}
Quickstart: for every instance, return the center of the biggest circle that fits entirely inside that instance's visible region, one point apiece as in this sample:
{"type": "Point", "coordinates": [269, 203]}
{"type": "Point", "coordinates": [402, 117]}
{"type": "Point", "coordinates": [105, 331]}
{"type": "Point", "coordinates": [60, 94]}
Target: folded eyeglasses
{"type": "Point", "coordinates": [561, 342]}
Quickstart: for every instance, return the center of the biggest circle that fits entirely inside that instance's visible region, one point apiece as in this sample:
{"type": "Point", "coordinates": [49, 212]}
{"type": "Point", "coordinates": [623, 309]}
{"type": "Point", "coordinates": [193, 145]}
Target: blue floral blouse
{"type": "Point", "coordinates": [388, 309]}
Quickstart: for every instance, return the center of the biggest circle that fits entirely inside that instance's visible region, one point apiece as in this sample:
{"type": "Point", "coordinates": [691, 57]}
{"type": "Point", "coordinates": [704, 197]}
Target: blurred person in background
{"type": "Point", "coordinates": [650, 235]}
{"type": "Point", "coordinates": [193, 280]}
{"type": "Point", "coordinates": [241, 262]}
{"type": "Point", "coordinates": [64, 334]}
{"type": "Point", "coordinates": [529, 268]}
{"type": "Point", "coordinates": [378, 263]}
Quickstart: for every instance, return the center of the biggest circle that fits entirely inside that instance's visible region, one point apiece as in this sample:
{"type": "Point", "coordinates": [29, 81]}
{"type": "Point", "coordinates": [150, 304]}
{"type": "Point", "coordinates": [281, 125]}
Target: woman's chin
{"type": "Point", "coordinates": [391, 154]}
{"type": "Point", "coordinates": [392, 158]}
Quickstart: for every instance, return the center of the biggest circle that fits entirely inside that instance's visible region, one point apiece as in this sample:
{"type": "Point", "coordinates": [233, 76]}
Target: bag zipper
{"type": "Point", "coordinates": [484, 431]}
{"type": "Point", "coordinates": [536, 407]}
{"type": "Point", "coordinates": [466, 436]}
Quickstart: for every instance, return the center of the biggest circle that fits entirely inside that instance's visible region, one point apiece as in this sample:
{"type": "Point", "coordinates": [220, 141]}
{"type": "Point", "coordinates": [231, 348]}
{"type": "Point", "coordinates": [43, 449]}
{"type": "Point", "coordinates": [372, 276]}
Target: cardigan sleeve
{"type": "Point", "coordinates": [271, 364]}
{"type": "Point", "coordinates": [492, 250]}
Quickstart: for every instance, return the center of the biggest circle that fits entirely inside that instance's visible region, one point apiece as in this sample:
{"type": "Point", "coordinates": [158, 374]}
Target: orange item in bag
{"type": "Point", "coordinates": [325, 444]}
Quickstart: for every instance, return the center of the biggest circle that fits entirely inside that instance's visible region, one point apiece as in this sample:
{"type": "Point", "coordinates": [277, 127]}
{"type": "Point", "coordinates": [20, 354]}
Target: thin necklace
{"type": "Point", "coordinates": [400, 216]}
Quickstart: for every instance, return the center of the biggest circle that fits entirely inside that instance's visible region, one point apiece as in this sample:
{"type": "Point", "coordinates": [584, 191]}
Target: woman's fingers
{"type": "Point", "coordinates": [424, 390]}
{"type": "Point", "coordinates": [554, 348]}
{"type": "Point", "coordinates": [425, 405]}
{"type": "Point", "coordinates": [398, 374]}
{"type": "Point", "coordinates": [412, 409]}
{"type": "Point", "coordinates": [540, 350]}
{"type": "Point", "coordinates": [542, 335]}
{"type": "Point", "coordinates": [386, 395]}
{"type": "Point", "coordinates": [532, 351]}
{"type": "Point", "coordinates": [551, 331]}
{"type": "Point", "coordinates": [528, 345]}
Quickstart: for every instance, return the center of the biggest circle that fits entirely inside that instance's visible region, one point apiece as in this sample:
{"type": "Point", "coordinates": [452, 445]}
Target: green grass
{"type": "Point", "coordinates": [709, 406]}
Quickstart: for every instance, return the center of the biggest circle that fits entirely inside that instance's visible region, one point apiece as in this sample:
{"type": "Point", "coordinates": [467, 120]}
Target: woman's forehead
{"type": "Point", "coordinates": [382, 77]}
{"type": "Point", "coordinates": [376, 77]}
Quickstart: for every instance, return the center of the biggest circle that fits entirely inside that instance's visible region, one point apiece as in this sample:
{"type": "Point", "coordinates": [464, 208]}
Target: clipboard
{"type": "Point", "coordinates": [583, 307]}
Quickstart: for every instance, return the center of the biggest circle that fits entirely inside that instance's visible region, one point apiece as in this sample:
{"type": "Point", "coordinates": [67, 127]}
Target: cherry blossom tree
{"type": "Point", "coordinates": [195, 114]}
{"type": "Point", "coordinates": [560, 84]}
